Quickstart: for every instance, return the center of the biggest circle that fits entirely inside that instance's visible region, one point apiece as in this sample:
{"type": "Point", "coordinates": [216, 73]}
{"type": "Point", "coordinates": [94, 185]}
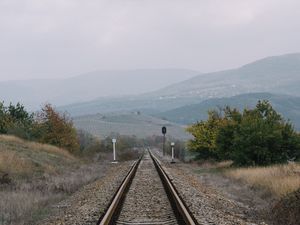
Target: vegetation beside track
{"type": "Point", "coordinates": [34, 175]}
{"type": "Point", "coordinates": [277, 180]}
{"type": "Point", "coordinates": [258, 136]}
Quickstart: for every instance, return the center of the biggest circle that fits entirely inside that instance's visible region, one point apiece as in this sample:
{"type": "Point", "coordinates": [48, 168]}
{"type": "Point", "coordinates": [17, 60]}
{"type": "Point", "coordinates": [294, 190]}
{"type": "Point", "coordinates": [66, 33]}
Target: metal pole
{"type": "Point", "coordinates": [114, 150]}
{"type": "Point", "coordinates": [172, 153]}
{"type": "Point", "coordinates": [164, 131]}
{"type": "Point", "coordinates": [172, 145]}
{"type": "Point", "coordinates": [164, 141]}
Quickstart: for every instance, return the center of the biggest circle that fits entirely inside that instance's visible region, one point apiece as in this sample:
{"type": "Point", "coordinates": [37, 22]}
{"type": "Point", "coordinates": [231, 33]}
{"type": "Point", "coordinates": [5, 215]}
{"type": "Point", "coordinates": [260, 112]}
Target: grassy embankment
{"type": "Point", "coordinates": [278, 180]}
{"type": "Point", "coordinates": [33, 175]}
{"type": "Point", "coordinates": [281, 183]}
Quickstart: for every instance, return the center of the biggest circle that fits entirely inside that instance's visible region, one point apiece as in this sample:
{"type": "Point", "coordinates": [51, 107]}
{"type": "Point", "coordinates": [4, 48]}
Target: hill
{"type": "Point", "coordinates": [143, 103]}
{"type": "Point", "coordinates": [277, 75]}
{"type": "Point", "coordinates": [20, 158]}
{"type": "Point", "coordinates": [89, 86]}
{"type": "Point", "coordinates": [288, 106]}
{"type": "Point", "coordinates": [140, 125]}
{"type": "Point", "coordinates": [34, 176]}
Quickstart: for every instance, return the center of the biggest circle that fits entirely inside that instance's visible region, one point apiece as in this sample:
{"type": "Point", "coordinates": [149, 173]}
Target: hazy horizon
{"type": "Point", "coordinates": [62, 39]}
{"type": "Point", "coordinates": [101, 73]}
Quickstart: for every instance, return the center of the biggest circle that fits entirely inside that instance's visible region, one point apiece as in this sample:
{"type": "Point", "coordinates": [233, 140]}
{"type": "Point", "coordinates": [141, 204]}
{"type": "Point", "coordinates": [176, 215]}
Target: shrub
{"type": "Point", "coordinates": [56, 128]}
{"type": "Point", "coordinates": [286, 211]}
{"type": "Point", "coordinates": [254, 137]}
{"type": "Point", "coordinates": [205, 133]}
{"type": "Point", "coordinates": [15, 120]}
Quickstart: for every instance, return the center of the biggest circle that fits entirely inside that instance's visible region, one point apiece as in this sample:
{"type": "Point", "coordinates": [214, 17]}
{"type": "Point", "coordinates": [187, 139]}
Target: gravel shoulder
{"type": "Point", "coordinates": [213, 199]}
{"type": "Point", "coordinates": [87, 205]}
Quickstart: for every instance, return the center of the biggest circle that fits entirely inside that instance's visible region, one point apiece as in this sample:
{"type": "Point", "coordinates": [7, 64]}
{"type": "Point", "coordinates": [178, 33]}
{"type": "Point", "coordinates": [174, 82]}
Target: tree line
{"type": "Point", "coordinates": [45, 126]}
{"type": "Point", "coordinates": [56, 128]}
{"type": "Point", "coordinates": [259, 136]}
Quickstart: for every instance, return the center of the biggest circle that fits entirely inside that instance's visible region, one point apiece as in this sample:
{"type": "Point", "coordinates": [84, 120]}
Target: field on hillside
{"type": "Point", "coordinates": [32, 176]}
{"type": "Point", "coordinates": [140, 125]}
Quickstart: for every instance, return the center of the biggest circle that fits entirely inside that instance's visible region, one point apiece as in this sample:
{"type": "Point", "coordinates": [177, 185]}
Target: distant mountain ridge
{"type": "Point", "coordinates": [277, 75]}
{"type": "Point", "coordinates": [288, 106]}
{"type": "Point", "coordinates": [89, 86]}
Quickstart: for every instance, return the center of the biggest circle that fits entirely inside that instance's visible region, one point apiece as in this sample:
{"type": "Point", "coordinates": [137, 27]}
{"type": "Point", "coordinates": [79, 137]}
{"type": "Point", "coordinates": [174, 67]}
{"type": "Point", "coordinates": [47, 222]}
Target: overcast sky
{"type": "Point", "coordinates": [63, 38]}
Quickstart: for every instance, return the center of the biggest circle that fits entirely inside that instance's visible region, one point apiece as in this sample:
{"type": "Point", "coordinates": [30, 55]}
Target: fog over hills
{"type": "Point", "coordinates": [181, 96]}
{"type": "Point", "coordinates": [278, 74]}
{"type": "Point", "coordinates": [133, 123]}
{"type": "Point", "coordinates": [86, 87]}
{"type": "Point", "coordinates": [288, 106]}
{"type": "Point", "coordinates": [153, 91]}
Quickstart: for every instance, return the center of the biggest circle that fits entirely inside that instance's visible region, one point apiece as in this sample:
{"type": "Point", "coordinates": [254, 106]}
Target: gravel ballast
{"type": "Point", "coordinates": [208, 205]}
{"type": "Point", "coordinates": [146, 201]}
{"type": "Point", "coordinates": [87, 205]}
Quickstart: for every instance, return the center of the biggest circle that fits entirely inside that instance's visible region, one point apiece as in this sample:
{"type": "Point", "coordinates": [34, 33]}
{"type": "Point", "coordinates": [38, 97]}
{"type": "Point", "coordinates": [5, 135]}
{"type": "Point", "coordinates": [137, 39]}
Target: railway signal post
{"type": "Point", "coordinates": [164, 131]}
{"type": "Point", "coordinates": [114, 149]}
{"type": "Point", "coordinates": [172, 146]}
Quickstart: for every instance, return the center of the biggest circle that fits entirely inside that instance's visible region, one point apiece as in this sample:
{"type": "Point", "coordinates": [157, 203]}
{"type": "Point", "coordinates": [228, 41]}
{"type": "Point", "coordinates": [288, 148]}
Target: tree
{"type": "Point", "coordinates": [3, 119]}
{"type": "Point", "coordinates": [89, 144]}
{"type": "Point", "coordinates": [205, 133]}
{"type": "Point", "coordinates": [56, 128]}
{"type": "Point", "coordinates": [20, 121]}
{"type": "Point", "coordinates": [15, 120]}
{"type": "Point", "coordinates": [263, 137]}
{"type": "Point", "coordinates": [258, 136]}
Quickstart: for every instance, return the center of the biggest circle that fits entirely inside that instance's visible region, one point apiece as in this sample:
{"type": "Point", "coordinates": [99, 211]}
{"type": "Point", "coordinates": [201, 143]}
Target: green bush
{"type": "Point", "coordinates": [15, 120]}
{"type": "Point", "coordinates": [259, 136]}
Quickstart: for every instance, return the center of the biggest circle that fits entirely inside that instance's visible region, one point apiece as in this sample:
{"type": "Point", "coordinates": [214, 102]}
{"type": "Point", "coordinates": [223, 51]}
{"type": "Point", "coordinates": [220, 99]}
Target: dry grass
{"type": "Point", "coordinates": [22, 204]}
{"type": "Point", "coordinates": [26, 202]}
{"type": "Point", "coordinates": [277, 180]}
{"type": "Point", "coordinates": [12, 163]}
{"type": "Point", "coordinates": [39, 174]}
{"type": "Point", "coordinates": [36, 146]}
{"type": "Point", "coordinates": [23, 158]}
{"type": "Point", "coordinates": [214, 165]}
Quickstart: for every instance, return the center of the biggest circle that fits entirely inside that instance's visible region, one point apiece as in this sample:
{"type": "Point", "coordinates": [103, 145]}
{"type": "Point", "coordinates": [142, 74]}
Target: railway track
{"type": "Point", "coordinates": [147, 197]}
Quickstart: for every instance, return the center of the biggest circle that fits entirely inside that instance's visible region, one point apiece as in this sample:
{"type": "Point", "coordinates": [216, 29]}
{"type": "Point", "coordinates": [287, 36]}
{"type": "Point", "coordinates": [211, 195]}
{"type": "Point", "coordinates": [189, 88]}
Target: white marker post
{"type": "Point", "coordinates": [114, 149]}
{"type": "Point", "coordinates": [172, 145]}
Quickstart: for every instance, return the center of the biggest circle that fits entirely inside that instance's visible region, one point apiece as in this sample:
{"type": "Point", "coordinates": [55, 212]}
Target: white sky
{"type": "Point", "coordinates": [62, 38]}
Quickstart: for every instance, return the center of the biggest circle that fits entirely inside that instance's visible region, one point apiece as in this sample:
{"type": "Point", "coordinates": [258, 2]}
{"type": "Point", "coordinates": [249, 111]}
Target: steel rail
{"type": "Point", "coordinates": [180, 206]}
{"type": "Point", "coordinates": [112, 211]}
